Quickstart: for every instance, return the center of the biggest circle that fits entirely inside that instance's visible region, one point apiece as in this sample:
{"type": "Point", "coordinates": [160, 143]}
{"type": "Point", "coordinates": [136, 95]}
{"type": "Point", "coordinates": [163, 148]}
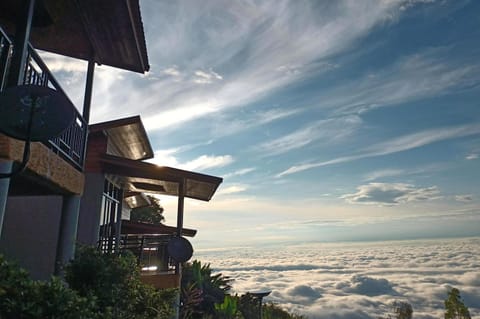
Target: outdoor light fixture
{"type": "Point", "coordinates": [33, 113]}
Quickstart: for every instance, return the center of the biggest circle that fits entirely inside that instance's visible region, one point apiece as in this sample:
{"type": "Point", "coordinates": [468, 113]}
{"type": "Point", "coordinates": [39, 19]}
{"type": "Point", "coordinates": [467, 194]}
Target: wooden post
{"type": "Point", "coordinates": [182, 189]}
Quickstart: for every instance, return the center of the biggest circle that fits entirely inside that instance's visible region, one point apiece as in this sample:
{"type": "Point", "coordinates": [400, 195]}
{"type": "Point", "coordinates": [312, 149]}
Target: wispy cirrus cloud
{"type": "Point", "coordinates": [169, 157]}
{"type": "Point", "coordinates": [229, 123]}
{"type": "Point", "coordinates": [421, 75]}
{"type": "Point", "coordinates": [239, 172]}
{"type": "Point", "coordinates": [232, 189]}
{"type": "Point", "coordinates": [399, 144]}
{"type": "Point", "coordinates": [391, 194]}
{"type": "Point", "coordinates": [472, 156]}
{"type": "Point", "coordinates": [464, 198]}
{"type": "Point", "coordinates": [208, 161]}
{"type": "Point", "coordinates": [236, 51]}
{"type": "Point", "coordinates": [402, 172]}
{"type": "Point", "coordinates": [326, 131]}
{"type": "Point", "coordinates": [206, 77]}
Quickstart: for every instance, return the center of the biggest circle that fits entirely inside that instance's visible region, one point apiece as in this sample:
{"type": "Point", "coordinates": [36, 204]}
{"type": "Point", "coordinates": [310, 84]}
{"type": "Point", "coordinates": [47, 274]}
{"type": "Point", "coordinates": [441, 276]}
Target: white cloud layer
{"type": "Point", "coordinates": [356, 280]}
{"type": "Point", "coordinates": [204, 162]}
{"type": "Point", "coordinates": [391, 194]}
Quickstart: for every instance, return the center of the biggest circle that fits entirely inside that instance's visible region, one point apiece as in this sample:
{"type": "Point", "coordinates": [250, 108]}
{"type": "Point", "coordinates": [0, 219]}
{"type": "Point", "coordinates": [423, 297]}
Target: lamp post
{"type": "Point", "coordinates": [258, 296]}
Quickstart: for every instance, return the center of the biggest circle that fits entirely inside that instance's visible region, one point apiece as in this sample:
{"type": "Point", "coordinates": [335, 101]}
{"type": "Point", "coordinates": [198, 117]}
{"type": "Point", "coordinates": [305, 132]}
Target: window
{"type": "Point", "coordinates": [108, 217]}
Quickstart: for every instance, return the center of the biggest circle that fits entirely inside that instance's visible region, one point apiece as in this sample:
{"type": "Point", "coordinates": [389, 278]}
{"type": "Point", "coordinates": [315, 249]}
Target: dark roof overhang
{"type": "Point", "coordinates": [140, 176]}
{"type": "Point", "coordinates": [136, 228]}
{"type": "Point", "coordinates": [108, 31]}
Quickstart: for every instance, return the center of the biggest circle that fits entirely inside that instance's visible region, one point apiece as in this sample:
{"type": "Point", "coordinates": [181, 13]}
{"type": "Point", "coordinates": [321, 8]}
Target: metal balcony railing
{"type": "Point", "coordinates": [5, 54]}
{"type": "Point", "coordinates": [150, 250]}
{"type": "Point", "coordinates": [71, 145]}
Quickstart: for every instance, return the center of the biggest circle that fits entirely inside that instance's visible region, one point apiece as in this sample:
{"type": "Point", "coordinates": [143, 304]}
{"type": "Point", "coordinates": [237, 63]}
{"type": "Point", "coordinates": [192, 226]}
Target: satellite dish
{"type": "Point", "coordinates": [33, 113]}
{"type": "Point", "coordinates": [49, 112]}
{"type": "Point", "coordinates": [180, 249]}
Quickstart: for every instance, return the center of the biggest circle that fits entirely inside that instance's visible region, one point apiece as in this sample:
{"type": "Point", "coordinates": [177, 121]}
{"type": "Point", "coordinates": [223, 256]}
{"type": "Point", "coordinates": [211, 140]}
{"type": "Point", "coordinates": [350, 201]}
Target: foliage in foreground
{"type": "Point", "coordinates": [24, 298]}
{"type": "Point", "coordinates": [100, 287]}
{"type": "Point", "coordinates": [201, 290]}
{"type": "Point", "coordinates": [206, 296]}
{"type": "Point", "coordinates": [114, 282]}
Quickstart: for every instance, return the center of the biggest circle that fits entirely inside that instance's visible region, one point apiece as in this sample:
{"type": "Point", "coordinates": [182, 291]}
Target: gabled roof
{"type": "Point", "coordinates": [127, 136]}
{"type": "Point", "coordinates": [146, 177]}
{"type": "Point", "coordinates": [109, 30]}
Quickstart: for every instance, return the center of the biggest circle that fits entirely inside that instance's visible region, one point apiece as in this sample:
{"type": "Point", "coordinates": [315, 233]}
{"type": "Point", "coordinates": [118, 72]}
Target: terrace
{"type": "Point", "coordinates": [70, 146]}
{"type": "Point", "coordinates": [116, 176]}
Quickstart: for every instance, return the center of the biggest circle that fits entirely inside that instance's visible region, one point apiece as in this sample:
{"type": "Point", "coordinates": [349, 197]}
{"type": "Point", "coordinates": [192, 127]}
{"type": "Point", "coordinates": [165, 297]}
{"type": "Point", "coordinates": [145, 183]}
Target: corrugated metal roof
{"type": "Point", "coordinates": [110, 31]}
{"type": "Point", "coordinates": [126, 138]}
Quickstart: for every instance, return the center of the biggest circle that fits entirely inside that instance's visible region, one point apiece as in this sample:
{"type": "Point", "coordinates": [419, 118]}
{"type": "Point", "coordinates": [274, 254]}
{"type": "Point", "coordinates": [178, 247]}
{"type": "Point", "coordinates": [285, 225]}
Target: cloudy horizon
{"type": "Point", "coordinates": [356, 280]}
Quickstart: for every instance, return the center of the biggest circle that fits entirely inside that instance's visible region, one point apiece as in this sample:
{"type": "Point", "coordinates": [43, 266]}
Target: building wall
{"type": "Point", "coordinates": [44, 166]}
{"type": "Point", "coordinates": [90, 209]}
{"type": "Point", "coordinates": [30, 233]}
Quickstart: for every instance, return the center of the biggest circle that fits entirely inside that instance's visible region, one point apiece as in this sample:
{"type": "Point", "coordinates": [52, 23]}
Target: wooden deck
{"type": "Point", "coordinates": [161, 281]}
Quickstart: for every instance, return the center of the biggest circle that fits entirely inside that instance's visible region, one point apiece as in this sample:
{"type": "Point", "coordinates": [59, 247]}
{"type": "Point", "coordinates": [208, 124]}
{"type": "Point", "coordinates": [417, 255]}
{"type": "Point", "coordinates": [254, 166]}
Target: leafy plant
{"type": "Point", "coordinates": [114, 281]}
{"type": "Point", "coordinates": [24, 298]}
{"type": "Point", "coordinates": [198, 279]}
{"type": "Point", "coordinates": [228, 309]}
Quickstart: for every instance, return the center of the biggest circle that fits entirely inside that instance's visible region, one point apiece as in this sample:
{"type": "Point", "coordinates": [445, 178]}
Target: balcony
{"type": "Point", "coordinates": [71, 144]}
{"type": "Point", "coordinates": [157, 267]}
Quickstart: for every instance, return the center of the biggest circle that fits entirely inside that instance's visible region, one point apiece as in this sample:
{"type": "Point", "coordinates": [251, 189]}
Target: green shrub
{"type": "Point", "coordinates": [24, 298]}
{"type": "Point", "coordinates": [113, 280]}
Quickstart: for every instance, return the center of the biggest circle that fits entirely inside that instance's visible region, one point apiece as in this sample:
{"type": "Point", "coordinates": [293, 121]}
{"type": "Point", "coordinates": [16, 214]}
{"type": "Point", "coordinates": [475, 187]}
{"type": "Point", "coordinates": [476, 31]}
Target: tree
{"type": "Point", "coordinates": [454, 306]}
{"type": "Point", "coordinates": [152, 213]}
{"type": "Point", "coordinates": [402, 310]}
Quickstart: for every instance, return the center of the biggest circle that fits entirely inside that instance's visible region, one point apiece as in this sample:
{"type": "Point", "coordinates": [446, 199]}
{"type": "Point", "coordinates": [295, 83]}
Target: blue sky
{"type": "Point", "coordinates": [329, 120]}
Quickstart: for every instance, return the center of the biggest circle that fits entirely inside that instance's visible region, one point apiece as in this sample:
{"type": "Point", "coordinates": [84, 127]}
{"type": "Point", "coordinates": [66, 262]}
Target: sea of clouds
{"type": "Point", "coordinates": [356, 280]}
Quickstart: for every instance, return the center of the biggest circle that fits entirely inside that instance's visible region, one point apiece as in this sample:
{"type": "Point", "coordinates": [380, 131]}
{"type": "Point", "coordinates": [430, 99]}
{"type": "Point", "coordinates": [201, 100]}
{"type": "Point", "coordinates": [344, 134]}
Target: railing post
{"type": "Point", "coordinates": [20, 44]}
{"type": "Point", "coordinates": [5, 51]}
{"type": "Point", "coordinates": [118, 225]}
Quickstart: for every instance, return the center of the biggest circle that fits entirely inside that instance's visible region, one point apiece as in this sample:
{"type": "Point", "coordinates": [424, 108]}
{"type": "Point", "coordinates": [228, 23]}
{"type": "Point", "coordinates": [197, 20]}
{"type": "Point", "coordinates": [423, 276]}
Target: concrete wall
{"type": "Point", "coordinates": [30, 233]}
{"type": "Point", "coordinates": [44, 166]}
{"type": "Point", "coordinates": [90, 209]}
